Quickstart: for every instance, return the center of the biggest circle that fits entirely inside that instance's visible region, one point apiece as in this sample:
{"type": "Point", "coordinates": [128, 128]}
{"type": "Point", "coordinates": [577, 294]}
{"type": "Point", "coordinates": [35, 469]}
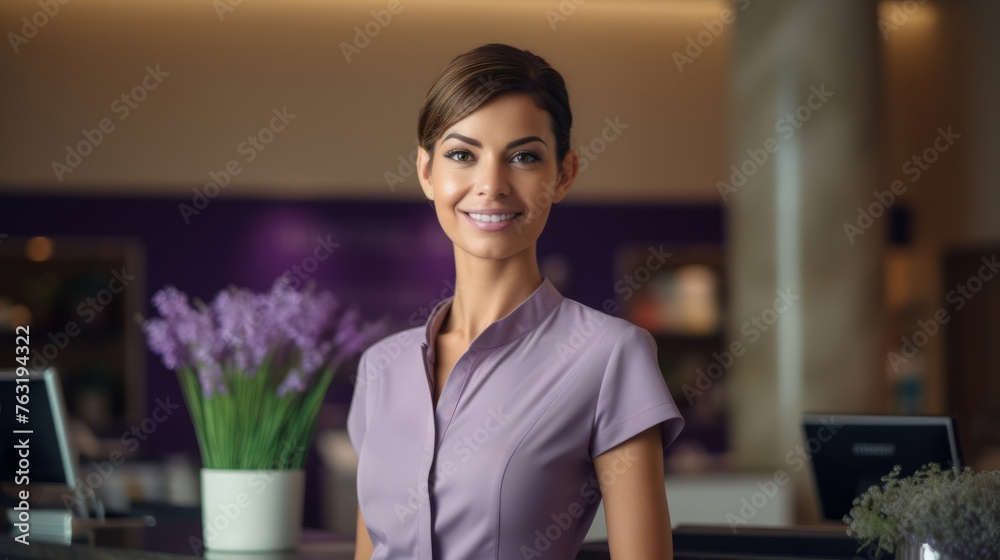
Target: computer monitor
{"type": "Point", "coordinates": [52, 462]}
{"type": "Point", "coordinates": [850, 453]}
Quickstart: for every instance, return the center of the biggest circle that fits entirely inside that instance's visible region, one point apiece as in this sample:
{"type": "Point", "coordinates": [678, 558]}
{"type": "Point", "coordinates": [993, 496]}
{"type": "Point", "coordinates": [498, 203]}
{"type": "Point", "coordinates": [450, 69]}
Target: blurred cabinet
{"type": "Point", "coordinates": [972, 302]}
{"type": "Point", "coordinates": [79, 297]}
{"type": "Point", "coordinates": [678, 294]}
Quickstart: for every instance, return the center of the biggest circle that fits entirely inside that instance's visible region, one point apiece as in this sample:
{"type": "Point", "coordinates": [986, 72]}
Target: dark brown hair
{"type": "Point", "coordinates": [474, 78]}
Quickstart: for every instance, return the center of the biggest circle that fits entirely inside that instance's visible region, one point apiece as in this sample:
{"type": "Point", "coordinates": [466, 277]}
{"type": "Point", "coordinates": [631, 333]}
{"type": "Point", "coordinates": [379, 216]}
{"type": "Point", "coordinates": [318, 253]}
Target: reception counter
{"type": "Point", "coordinates": [169, 541]}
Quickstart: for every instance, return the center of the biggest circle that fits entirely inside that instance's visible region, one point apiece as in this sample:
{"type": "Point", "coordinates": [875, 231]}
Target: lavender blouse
{"type": "Point", "coordinates": [503, 467]}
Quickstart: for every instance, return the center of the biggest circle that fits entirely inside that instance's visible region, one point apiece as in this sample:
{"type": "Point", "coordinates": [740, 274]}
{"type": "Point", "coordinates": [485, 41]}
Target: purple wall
{"type": "Point", "coordinates": [392, 259]}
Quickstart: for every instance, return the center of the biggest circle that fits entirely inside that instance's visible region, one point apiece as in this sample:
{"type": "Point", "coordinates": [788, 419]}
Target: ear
{"type": "Point", "coordinates": [424, 172]}
{"type": "Point", "coordinates": [567, 175]}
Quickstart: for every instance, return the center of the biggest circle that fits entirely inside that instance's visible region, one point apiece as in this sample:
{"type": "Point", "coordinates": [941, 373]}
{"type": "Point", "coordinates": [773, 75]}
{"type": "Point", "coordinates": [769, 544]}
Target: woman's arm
{"type": "Point", "coordinates": [635, 500]}
{"type": "Point", "coordinates": [363, 547]}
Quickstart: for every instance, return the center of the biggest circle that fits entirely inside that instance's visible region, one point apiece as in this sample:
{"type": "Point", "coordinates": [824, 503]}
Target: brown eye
{"type": "Point", "coordinates": [452, 153]}
{"type": "Point", "coordinates": [531, 155]}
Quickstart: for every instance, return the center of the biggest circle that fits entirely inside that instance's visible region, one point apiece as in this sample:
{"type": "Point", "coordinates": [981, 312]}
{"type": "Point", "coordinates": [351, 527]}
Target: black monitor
{"type": "Point", "coordinates": [851, 453]}
{"type": "Point", "coordinates": [51, 461]}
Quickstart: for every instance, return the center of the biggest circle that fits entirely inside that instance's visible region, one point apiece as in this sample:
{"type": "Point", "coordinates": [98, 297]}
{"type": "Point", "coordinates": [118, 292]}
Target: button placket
{"type": "Point", "coordinates": [452, 391]}
{"type": "Point", "coordinates": [424, 528]}
{"type": "Point", "coordinates": [525, 317]}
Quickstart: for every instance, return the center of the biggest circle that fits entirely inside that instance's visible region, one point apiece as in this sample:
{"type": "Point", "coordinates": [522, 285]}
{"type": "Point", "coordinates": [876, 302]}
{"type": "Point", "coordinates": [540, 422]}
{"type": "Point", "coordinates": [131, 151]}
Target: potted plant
{"type": "Point", "coordinates": [254, 369]}
{"type": "Point", "coordinates": [935, 514]}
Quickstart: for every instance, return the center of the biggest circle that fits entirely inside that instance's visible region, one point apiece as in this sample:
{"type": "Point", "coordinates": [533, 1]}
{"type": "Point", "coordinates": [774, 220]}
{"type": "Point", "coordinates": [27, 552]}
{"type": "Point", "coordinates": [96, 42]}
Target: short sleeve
{"type": "Point", "coordinates": [633, 395]}
{"type": "Point", "coordinates": [358, 414]}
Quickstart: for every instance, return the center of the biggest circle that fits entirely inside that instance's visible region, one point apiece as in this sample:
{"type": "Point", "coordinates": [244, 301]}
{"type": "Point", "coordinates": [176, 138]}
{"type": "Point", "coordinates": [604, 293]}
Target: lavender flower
{"type": "Point", "coordinates": [294, 383]}
{"type": "Point", "coordinates": [298, 332]}
{"type": "Point", "coordinates": [163, 341]}
{"type": "Point", "coordinates": [350, 340]}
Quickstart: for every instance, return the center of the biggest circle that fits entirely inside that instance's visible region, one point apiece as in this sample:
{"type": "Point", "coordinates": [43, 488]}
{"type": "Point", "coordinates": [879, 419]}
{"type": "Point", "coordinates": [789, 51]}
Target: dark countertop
{"type": "Point", "coordinates": [16, 551]}
{"type": "Point", "coordinates": [168, 539]}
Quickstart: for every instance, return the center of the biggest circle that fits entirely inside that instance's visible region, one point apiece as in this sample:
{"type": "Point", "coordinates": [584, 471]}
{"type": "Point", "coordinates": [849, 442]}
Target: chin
{"type": "Point", "coordinates": [490, 250]}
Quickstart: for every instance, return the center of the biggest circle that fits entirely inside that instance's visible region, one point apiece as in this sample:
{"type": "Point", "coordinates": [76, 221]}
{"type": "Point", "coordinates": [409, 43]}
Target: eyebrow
{"type": "Point", "coordinates": [477, 144]}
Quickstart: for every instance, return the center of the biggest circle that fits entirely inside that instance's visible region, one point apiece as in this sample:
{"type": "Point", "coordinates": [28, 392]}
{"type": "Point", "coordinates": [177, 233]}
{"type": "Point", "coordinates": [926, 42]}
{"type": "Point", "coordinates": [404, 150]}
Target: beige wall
{"type": "Point", "coordinates": [983, 116]}
{"type": "Point", "coordinates": [923, 86]}
{"type": "Point", "coordinates": [353, 120]}
{"type": "Point", "coordinates": [941, 71]}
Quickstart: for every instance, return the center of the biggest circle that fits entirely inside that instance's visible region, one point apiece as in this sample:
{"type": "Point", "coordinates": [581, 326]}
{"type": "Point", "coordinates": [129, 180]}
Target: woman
{"type": "Point", "coordinates": [498, 434]}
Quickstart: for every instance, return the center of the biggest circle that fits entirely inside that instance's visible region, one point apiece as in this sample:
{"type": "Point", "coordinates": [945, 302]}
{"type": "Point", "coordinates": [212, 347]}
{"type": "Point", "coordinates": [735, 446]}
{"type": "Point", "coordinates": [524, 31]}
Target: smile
{"type": "Point", "coordinates": [492, 222]}
{"type": "Point", "coordinates": [492, 218]}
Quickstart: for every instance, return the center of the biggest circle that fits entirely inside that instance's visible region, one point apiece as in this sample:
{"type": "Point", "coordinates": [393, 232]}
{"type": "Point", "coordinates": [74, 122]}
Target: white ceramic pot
{"type": "Point", "coordinates": [251, 510]}
{"type": "Point", "coordinates": [909, 549]}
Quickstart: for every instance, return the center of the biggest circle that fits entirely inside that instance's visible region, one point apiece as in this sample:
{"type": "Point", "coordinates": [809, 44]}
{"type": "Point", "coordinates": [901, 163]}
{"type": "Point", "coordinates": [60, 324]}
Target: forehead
{"type": "Point", "coordinates": [505, 118]}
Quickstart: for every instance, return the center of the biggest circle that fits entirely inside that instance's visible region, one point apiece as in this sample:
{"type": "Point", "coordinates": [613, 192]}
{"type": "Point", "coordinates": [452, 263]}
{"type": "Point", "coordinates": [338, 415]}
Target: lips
{"type": "Point", "coordinates": [493, 218]}
{"type": "Point", "coordinates": [492, 222]}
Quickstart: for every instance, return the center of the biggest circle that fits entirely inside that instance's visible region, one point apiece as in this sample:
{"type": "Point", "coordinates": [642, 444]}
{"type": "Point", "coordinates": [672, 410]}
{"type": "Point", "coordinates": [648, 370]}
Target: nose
{"type": "Point", "coordinates": [492, 180]}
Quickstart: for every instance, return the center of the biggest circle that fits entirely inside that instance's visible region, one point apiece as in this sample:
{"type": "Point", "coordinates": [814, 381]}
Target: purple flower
{"type": "Point", "coordinates": [162, 341]}
{"type": "Point", "coordinates": [210, 378]}
{"type": "Point", "coordinates": [299, 332]}
{"type": "Point", "coordinates": [171, 302]}
{"type": "Point", "coordinates": [294, 383]}
{"type": "Point", "coordinates": [350, 340]}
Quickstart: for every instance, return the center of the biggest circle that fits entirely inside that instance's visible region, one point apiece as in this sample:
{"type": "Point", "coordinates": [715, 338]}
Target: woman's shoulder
{"type": "Point", "coordinates": [396, 343]}
{"type": "Point", "coordinates": [586, 320]}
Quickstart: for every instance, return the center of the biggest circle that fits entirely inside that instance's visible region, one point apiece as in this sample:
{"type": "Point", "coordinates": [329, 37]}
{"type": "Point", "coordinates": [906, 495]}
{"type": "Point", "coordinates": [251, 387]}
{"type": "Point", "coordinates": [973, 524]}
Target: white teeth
{"type": "Point", "coordinates": [492, 218]}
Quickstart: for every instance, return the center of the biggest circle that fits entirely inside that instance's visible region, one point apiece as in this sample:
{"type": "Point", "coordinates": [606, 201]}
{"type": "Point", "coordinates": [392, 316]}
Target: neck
{"type": "Point", "coordinates": [487, 290]}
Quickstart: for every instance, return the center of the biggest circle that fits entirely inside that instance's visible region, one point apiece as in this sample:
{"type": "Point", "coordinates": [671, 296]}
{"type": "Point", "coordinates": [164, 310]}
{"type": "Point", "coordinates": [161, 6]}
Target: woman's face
{"type": "Point", "coordinates": [499, 160]}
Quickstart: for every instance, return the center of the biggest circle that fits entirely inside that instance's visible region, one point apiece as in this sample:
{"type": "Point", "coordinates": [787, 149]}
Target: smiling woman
{"type": "Point", "coordinates": [496, 104]}
{"type": "Point", "coordinates": [586, 413]}
{"type": "Point", "coordinates": [517, 174]}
